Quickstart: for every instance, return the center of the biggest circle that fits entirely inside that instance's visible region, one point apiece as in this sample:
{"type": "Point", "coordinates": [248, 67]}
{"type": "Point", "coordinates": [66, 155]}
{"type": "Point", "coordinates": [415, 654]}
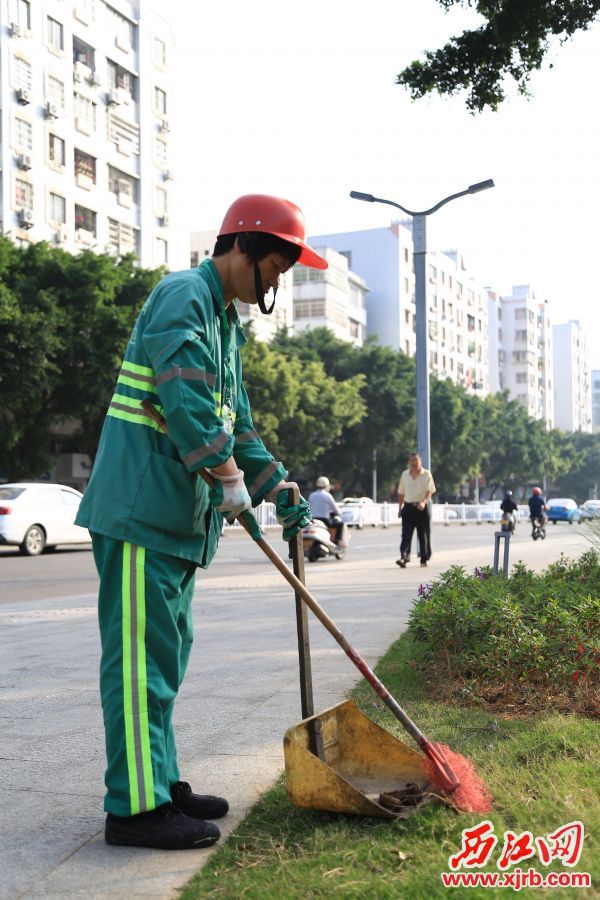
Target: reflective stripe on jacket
{"type": "Point", "coordinates": [143, 488]}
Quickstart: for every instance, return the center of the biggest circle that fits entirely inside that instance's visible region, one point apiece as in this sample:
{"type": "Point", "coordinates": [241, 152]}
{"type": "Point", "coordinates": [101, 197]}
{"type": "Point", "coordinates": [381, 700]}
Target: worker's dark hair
{"type": "Point", "coordinates": [257, 245]}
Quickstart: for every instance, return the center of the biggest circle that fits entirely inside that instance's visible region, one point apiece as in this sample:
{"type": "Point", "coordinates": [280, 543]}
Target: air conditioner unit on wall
{"type": "Point", "coordinates": [52, 110]}
{"type": "Point", "coordinates": [164, 126]}
{"type": "Point", "coordinates": [25, 218]}
{"type": "Point", "coordinates": [62, 235]}
{"type": "Point", "coordinates": [164, 221]}
{"type": "Point", "coordinates": [17, 30]}
{"type": "Point", "coordinates": [24, 161]}
{"type": "Point", "coordinates": [23, 96]}
{"type": "Point", "coordinates": [168, 175]}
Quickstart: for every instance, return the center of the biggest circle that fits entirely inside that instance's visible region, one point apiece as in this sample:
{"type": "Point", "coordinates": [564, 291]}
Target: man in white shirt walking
{"type": "Point", "coordinates": [414, 492]}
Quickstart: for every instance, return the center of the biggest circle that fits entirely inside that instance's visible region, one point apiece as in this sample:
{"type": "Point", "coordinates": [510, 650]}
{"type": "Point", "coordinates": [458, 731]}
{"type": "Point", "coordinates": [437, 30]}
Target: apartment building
{"type": "Point", "coordinates": [85, 92]}
{"type": "Point", "coordinates": [595, 400]}
{"type": "Point", "coordinates": [264, 327]}
{"type": "Point", "coordinates": [521, 350]}
{"type": "Point", "coordinates": [333, 298]}
{"type": "Point", "coordinates": [456, 306]}
{"type": "Point", "coordinates": [572, 381]}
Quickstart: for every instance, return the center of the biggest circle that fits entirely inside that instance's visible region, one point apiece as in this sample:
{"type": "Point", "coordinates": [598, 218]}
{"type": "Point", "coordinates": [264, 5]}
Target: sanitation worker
{"type": "Point", "coordinates": [153, 521]}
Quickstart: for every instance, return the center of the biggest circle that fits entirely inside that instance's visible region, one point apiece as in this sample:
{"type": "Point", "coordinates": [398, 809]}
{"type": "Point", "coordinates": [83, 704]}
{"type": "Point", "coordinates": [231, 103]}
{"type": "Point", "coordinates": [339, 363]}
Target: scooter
{"type": "Point", "coordinates": [319, 541]}
{"type": "Point", "coordinates": [538, 529]}
{"type": "Point", "coordinates": [508, 522]}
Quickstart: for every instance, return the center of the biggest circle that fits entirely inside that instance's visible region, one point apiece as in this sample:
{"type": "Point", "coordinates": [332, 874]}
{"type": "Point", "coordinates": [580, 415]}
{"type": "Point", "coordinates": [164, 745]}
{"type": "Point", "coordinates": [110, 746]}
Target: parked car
{"type": "Point", "coordinates": [37, 516]}
{"type": "Point", "coordinates": [563, 509]}
{"type": "Point", "coordinates": [359, 511]}
{"type": "Point", "coordinates": [590, 509]}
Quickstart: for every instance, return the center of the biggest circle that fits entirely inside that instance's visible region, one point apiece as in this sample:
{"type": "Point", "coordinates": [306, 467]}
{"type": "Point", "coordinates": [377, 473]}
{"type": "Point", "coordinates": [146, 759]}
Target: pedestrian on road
{"type": "Point", "coordinates": [153, 521]}
{"type": "Point", "coordinates": [414, 493]}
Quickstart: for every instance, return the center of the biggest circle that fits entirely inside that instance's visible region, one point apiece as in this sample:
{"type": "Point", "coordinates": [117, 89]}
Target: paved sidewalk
{"type": "Point", "coordinates": [239, 696]}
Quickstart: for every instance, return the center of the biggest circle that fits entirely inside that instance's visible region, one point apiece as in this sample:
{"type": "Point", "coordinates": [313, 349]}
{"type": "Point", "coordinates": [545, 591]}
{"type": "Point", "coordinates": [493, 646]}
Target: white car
{"type": "Point", "coordinates": [37, 516]}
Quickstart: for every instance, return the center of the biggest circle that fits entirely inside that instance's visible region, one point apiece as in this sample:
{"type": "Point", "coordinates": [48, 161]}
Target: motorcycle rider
{"type": "Point", "coordinates": [537, 507]}
{"type": "Point", "coordinates": [509, 507]}
{"type": "Point", "coordinates": [323, 507]}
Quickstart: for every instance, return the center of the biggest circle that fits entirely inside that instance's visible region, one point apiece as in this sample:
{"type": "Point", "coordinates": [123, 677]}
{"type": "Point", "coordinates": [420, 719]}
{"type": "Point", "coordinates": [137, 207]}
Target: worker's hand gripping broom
{"type": "Point", "coordinates": [449, 772]}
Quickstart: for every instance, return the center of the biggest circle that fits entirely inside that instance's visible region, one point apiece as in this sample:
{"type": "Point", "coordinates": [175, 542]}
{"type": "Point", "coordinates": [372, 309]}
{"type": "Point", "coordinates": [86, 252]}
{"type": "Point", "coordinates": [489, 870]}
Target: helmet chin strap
{"type": "Point", "coordinates": [260, 294]}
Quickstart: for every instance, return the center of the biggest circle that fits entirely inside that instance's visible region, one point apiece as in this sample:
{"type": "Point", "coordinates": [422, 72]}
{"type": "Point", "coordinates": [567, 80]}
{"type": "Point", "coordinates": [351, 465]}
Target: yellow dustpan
{"type": "Point", "coordinates": [363, 768]}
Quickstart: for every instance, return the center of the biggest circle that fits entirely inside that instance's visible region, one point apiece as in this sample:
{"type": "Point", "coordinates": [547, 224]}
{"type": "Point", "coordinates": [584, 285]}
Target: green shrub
{"type": "Point", "coordinates": [535, 637]}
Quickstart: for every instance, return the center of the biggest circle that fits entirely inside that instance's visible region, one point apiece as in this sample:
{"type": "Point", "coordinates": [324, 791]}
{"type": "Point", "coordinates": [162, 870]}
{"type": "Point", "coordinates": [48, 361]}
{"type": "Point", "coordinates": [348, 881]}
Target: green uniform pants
{"type": "Point", "coordinates": [144, 610]}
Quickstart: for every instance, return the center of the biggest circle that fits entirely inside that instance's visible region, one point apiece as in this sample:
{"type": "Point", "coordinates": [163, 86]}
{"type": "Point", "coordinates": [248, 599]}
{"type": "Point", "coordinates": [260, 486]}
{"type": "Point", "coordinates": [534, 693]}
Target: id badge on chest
{"type": "Point", "coordinates": [227, 416]}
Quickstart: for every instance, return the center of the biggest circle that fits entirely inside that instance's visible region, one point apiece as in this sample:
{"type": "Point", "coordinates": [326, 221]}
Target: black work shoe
{"type": "Point", "coordinates": [423, 562]}
{"type": "Point", "coordinates": [163, 828]}
{"type": "Point", "coordinates": [197, 806]}
{"type": "Point", "coordinates": [401, 562]}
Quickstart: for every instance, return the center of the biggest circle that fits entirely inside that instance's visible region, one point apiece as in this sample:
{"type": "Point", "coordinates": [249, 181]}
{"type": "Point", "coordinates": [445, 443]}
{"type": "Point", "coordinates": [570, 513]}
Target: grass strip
{"type": "Point", "coordinates": [542, 770]}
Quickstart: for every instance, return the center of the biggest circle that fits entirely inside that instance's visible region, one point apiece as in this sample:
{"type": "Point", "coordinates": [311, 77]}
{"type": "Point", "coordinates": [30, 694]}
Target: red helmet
{"type": "Point", "coordinates": [537, 490]}
{"type": "Point", "coordinates": [271, 215]}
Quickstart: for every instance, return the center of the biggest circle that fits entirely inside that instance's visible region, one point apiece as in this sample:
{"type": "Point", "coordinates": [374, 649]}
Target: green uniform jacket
{"type": "Point", "coordinates": [143, 488]}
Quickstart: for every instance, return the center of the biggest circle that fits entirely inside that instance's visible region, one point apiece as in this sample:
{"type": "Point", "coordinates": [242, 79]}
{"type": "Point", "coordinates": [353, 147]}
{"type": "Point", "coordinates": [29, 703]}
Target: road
{"type": "Point", "coordinates": [239, 696]}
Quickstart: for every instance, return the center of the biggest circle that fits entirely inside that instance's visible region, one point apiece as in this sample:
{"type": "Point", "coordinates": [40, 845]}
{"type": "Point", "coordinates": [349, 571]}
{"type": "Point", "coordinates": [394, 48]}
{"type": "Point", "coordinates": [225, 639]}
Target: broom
{"type": "Point", "coordinates": [452, 774]}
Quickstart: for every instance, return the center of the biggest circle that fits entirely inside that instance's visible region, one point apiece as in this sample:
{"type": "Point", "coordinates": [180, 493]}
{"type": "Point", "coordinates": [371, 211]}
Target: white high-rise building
{"type": "Point", "coordinates": [456, 306]}
{"type": "Point", "coordinates": [263, 327]}
{"type": "Point", "coordinates": [596, 400]}
{"type": "Point", "coordinates": [520, 350]}
{"type": "Point", "coordinates": [86, 95]}
{"type": "Point", "coordinates": [572, 382]}
{"type": "Point", "coordinates": [331, 298]}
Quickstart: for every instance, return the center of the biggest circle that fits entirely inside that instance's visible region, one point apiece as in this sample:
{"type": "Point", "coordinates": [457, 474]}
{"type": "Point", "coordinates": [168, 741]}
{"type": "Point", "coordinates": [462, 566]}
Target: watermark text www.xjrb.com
{"type": "Point", "coordinates": [564, 844]}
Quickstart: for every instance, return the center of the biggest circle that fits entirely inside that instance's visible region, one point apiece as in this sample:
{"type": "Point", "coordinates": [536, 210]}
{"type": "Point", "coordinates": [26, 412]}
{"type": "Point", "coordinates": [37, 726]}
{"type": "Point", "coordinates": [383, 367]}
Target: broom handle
{"type": "Point", "coordinates": [246, 519]}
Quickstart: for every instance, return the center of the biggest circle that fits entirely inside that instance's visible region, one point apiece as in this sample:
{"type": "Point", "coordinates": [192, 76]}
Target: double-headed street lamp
{"type": "Point", "coordinates": [419, 235]}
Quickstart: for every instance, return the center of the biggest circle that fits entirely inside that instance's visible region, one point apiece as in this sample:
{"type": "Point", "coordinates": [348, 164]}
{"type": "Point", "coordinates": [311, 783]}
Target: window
{"type": "Point", "coordinates": [160, 102]}
{"type": "Point", "coordinates": [85, 219]}
{"type": "Point", "coordinates": [122, 29]}
{"type": "Point", "coordinates": [406, 254]}
{"type": "Point", "coordinates": [83, 53]}
{"type": "Point", "coordinates": [54, 34]}
{"type": "Point", "coordinates": [520, 313]}
{"type": "Point", "coordinates": [194, 259]}
{"type": "Point", "coordinates": [125, 135]}
{"type": "Point", "coordinates": [160, 251]}
{"type": "Point", "coordinates": [56, 150]}
{"type": "Point", "coordinates": [121, 236]}
{"type": "Point", "coordinates": [56, 91]}
{"type": "Point", "coordinates": [85, 169]}
{"type": "Point", "coordinates": [120, 78]}
{"type": "Point", "coordinates": [406, 285]}
{"type": "Point", "coordinates": [24, 14]}
{"type": "Point", "coordinates": [159, 53]}
{"type": "Point", "coordinates": [123, 186]}
{"type": "Point", "coordinates": [471, 323]}
{"type": "Point", "coordinates": [160, 152]}
{"type": "Point", "coordinates": [23, 134]}
{"type": "Point", "coordinates": [160, 201]}
{"type": "Point", "coordinates": [500, 335]}
{"type": "Point", "coordinates": [85, 114]}
{"type": "Point", "coordinates": [23, 195]}
{"type": "Point", "coordinates": [58, 209]}
{"type": "Point", "coordinates": [21, 73]}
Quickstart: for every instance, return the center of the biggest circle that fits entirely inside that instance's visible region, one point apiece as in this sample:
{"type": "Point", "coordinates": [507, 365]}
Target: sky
{"type": "Point", "coordinates": [300, 100]}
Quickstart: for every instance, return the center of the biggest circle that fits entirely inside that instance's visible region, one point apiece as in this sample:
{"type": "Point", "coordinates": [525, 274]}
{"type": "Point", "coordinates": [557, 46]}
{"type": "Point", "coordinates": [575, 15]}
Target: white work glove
{"type": "Point", "coordinates": [229, 495]}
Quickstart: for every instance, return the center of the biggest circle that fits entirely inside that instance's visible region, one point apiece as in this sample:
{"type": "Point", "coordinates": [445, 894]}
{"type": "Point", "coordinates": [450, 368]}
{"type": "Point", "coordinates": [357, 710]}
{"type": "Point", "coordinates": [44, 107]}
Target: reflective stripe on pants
{"type": "Point", "coordinates": [144, 610]}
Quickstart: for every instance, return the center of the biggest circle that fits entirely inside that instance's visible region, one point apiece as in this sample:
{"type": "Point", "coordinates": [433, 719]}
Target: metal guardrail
{"type": "Point", "coordinates": [384, 514]}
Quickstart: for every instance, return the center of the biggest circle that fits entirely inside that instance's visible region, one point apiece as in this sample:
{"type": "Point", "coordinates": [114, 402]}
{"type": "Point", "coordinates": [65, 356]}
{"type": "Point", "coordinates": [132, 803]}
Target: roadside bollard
{"type": "Point", "coordinates": [498, 536]}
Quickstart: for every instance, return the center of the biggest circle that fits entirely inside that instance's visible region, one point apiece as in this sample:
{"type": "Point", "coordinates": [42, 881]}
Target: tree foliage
{"type": "Point", "coordinates": [64, 322]}
{"type": "Point", "coordinates": [298, 409]}
{"type": "Point", "coordinates": [512, 43]}
{"type": "Point", "coordinates": [322, 405]}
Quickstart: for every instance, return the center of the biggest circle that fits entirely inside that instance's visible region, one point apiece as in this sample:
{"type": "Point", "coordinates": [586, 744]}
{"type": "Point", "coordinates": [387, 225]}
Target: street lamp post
{"type": "Point", "coordinates": [419, 233]}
